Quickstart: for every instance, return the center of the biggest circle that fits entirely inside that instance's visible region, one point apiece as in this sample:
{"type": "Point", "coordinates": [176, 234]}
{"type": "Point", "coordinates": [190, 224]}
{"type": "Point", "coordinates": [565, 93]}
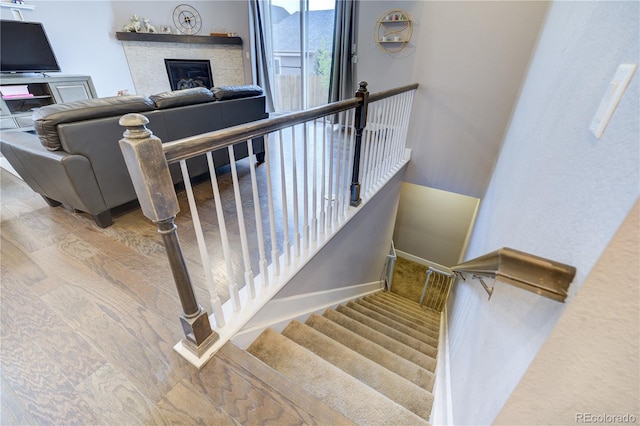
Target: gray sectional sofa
{"type": "Point", "coordinates": [72, 156]}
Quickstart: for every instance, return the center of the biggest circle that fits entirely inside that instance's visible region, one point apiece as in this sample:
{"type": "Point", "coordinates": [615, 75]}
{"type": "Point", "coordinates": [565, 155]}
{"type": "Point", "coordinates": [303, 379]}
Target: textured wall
{"type": "Point", "coordinates": [556, 192]}
{"type": "Point", "coordinates": [589, 364]}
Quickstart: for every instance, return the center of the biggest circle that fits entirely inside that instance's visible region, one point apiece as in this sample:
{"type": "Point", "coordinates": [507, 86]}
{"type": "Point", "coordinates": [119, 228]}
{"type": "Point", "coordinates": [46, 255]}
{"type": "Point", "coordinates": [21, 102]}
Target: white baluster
{"type": "Point", "coordinates": [294, 172]}
{"type": "Point", "coordinates": [323, 180]}
{"type": "Point", "coordinates": [305, 185]}
{"type": "Point", "coordinates": [258, 216]}
{"type": "Point", "coordinates": [330, 196]}
{"type": "Point", "coordinates": [216, 306]}
{"type": "Point", "coordinates": [286, 245]}
{"type": "Point", "coordinates": [275, 259]}
{"type": "Point", "coordinates": [248, 274]}
{"type": "Point", "coordinates": [314, 185]}
{"type": "Point", "coordinates": [234, 292]}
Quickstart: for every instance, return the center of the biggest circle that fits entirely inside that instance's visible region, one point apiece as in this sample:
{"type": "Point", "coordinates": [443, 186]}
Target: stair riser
{"type": "Point", "coordinates": [387, 359]}
{"type": "Point", "coordinates": [400, 326]}
{"type": "Point", "coordinates": [412, 306]}
{"type": "Point", "coordinates": [399, 312]}
{"type": "Point", "coordinates": [398, 318]}
{"type": "Point", "coordinates": [383, 340]}
{"type": "Point", "coordinates": [410, 341]}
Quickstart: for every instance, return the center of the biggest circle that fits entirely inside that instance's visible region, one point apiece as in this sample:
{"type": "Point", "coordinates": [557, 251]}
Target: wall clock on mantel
{"type": "Point", "coordinates": [187, 19]}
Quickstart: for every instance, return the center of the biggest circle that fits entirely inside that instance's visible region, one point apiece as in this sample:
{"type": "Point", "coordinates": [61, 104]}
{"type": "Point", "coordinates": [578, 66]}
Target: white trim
{"type": "Point", "coordinates": [442, 409]}
{"type": "Point", "coordinates": [422, 261]}
{"type": "Point", "coordinates": [279, 312]}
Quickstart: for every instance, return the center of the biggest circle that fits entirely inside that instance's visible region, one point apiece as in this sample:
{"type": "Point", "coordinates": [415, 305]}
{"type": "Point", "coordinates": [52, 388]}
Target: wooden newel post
{"type": "Point", "coordinates": [360, 124]}
{"type": "Point", "coordinates": [151, 178]}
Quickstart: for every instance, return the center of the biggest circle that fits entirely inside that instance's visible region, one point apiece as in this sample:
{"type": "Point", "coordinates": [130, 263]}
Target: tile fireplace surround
{"type": "Point", "coordinates": [146, 54]}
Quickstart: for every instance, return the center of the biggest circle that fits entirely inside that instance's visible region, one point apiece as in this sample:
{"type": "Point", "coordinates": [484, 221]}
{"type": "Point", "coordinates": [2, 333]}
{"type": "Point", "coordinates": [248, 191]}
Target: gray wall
{"type": "Point", "coordinates": [557, 192]}
{"type": "Point", "coordinates": [357, 254]}
{"type": "Point", "coordinates": [471, 58]}
{"type": "Point", "coordinates": [433, 224]}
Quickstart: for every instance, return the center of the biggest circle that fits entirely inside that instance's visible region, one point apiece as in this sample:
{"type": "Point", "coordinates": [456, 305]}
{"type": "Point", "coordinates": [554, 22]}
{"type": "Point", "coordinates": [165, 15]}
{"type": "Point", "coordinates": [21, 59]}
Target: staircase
{"type": "Point", "coordinates": [371, 360]}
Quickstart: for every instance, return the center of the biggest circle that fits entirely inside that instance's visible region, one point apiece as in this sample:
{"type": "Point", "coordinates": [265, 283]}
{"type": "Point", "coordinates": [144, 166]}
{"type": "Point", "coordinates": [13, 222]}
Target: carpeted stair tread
{"type": "Point", "coordinates": [410, 304]}
{"type": "Point", "coordinates": [389, 331]}
{"type": "Point", "coordinates": [372, 351]}
{"type": "Point", "coordinates": [402, 313]}
{"type": "Point", "coordinates": [409, 308]}
{"type": "Point", "coordinates": [344, 393]}
{"type": "Point", "coordinates": [397, 388]}
{"type": "Point", "coordinates": [398, 319]}
{"type": "Point", "coordinates": [407, 352]}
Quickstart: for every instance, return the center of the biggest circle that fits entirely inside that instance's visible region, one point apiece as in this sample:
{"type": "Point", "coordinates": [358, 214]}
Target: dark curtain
{"type": "Point", "coordinates": [341, 84]}
{"type": "Point", "coordinates": [258, 19]}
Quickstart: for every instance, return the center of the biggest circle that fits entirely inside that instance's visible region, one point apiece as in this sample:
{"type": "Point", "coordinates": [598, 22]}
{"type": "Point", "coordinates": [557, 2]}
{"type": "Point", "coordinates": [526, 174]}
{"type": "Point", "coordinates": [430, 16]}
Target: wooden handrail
{"type": "Point", "coordinates": [542, 276]}
{"type": "Point", "coordinates": [185, 148]}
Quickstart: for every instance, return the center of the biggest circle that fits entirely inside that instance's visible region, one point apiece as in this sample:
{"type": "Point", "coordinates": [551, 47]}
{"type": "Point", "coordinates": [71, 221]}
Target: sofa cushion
{"type": "Point", "coordinates": [176, 98]}
{"type": "Point", "coordinates": [223, 93]}
{"type": "Point", "coordinates": [47, 118]}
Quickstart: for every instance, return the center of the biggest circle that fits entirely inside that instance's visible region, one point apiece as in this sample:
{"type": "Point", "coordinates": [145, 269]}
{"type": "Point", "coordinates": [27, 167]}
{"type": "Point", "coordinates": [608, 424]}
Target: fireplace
{"type": "Point", "coordinates": [189, 73]}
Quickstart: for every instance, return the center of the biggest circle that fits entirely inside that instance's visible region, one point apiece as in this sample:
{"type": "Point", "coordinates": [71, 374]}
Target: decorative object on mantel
{"type": "Point", "coordinates": [165, 29]}
{"type": "Point", "coordinates": [187, 19]}
{"type": "Point", "coordinates": [147, 25]}
{"type": "Point", "coordinates": [133, 26]}
{"type": "Point", "coordinates": [393, 31]}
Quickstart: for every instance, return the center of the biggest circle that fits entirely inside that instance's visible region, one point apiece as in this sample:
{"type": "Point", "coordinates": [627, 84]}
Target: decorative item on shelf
{"type": "Point", "coordinates": [165, 29]}
{"type": "Point", "coordinates": [133, 26]}
{"type": "Point", "coordinates": [147, 25]}
{"type": "Point", "coordinates": [393, 31]}
{"type": "Point", "coordinates": [187, 19]}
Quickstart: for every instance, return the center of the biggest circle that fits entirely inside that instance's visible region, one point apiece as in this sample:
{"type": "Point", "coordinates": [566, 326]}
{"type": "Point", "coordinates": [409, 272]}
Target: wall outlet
{"type": "Point", "coordinates": [611, 98]}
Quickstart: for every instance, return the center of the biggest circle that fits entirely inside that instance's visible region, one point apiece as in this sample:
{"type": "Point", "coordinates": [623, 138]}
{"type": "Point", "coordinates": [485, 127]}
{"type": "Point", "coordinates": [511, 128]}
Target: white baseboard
{"type": "Point", "coordinates": [279, 312]}
{"type": "Point", "coordinates": [442, 410]}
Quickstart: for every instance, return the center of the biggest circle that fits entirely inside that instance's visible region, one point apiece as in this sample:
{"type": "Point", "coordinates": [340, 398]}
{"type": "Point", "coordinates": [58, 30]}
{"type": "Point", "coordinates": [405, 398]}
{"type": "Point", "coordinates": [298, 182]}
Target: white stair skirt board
{"type": "Point", "coordinates": [278, 313]}
{"type": "Point", "coordinates": [442, 409]}
{"type": "Point", "coordinates": [421, 261]}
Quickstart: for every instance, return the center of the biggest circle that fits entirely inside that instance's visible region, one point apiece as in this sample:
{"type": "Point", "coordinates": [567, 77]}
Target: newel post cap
{"type": "Point", "coordinates": [136, 125]}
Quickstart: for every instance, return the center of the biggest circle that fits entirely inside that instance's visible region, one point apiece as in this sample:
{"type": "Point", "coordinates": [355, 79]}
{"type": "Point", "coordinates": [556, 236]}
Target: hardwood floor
{"type": "Point", "coordinates": [88, 322]}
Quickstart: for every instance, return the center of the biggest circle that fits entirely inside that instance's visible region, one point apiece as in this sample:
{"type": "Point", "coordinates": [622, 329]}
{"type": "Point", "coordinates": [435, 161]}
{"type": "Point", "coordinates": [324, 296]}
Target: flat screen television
{"type": "Point", "coordinates": [24, 47]}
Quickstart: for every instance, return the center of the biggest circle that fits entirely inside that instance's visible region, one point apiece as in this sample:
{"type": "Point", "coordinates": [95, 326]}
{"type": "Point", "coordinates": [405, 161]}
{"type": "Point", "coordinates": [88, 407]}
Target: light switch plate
{"type": "Point", "coordinates": [611, 98]}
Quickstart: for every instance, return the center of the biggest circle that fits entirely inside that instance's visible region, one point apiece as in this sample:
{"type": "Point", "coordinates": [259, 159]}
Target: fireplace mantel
{"type": "Point", "coordinates": [175, 38]}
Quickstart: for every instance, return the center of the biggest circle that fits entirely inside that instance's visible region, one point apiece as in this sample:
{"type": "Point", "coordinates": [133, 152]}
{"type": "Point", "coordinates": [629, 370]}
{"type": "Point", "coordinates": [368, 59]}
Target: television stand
{"type": "Point", "coordinates": [22, 93]}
